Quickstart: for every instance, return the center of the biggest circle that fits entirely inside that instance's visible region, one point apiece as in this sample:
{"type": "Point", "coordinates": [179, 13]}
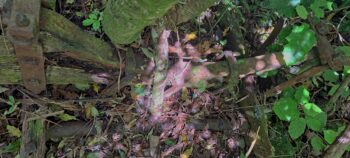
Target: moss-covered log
{"type": "Point", "coordinates": [187, 11]}
{"type": "Point", "coordinates": [123, 20]}
{"type": "Point", "coordinates": [68, 36]}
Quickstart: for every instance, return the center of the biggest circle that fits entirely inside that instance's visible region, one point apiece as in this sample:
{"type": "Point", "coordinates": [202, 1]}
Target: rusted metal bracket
{"type": "Point", "coordinates": [23, 31]}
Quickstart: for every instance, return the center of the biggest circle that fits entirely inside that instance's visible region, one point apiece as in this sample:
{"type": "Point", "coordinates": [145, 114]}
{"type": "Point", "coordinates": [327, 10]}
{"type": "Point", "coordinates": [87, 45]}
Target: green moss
{"type": "Point", "coordinates": [123, 20]}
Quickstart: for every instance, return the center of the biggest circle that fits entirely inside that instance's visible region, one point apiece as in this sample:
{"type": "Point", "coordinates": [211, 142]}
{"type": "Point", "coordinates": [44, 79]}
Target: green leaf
{"type": "Point", "coordinates": [96, 26]}
{"type": "Point", "coordinates": [91, 111]}
{"type": "Point", "coordinates": [286, 109]}
{"type": "Point", "coordinates": [302, 12]}
{"type": "Point", "coordinates": [311, 109]}
{"type": "Point", "coordinates": [169, 142]}
{"type": "Point", "coordinates": [288, 92]}
{"type": "Point", "coordinates": [88, 22]}
{"type": "Point", "coordinates": [316, 123]}
{"type": "Point", "coordinates": [13, 131]}
{"type": "Point", "coordinates": [297, 127]}
{"type": "Point", "coordinates": [317, 143]}
{"type": "Point", "coordinates": [333, 89]}
{"type": "Point", "coordinates": [93, 16]}
{"type": "Point", "coordinates": [315, 118]}
{"type": "Point", "coordinates": [344, 49]}
{"type": "Point", "coordinates": [346, 70]}
{"type": "Point", "coordinates": [139, 89]}
{"type": "Point", "coordinates": [330, 76]}
{"type": "Point", "coordinates": [300, 42]}
{"type": "Point", "coordinates": [330, 136]}
{"type": "Point", "coordinates": [67, 117]}
{"type": "Point", "coordinates": [201, 85]}
{"type": "Point", "coordinates": [302, 95]}
{"type": "Point", "coordinates": [13, 147]}
{"type": "Point", "coordinates": [148, 53]}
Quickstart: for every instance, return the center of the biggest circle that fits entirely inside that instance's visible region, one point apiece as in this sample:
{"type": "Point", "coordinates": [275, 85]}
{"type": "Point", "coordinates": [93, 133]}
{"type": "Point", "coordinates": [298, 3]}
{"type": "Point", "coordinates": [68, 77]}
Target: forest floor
{"type": "Point", "coordinates": [205, 114]}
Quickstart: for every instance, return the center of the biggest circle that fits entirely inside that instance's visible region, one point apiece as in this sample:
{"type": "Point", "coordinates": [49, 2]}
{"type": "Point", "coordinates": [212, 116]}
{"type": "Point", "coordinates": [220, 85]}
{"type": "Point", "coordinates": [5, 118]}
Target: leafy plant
{"type": "Point", "coordinates": [287, 109]}
{"type": "Point", "coordinates": [13, 105]}
{"type": "Point", "coordinates": [94, 19]}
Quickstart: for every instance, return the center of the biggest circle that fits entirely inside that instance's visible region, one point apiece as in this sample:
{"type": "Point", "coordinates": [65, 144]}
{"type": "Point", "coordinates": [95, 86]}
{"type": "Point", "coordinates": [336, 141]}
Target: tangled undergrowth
{"type": "Point", "coordinates": [243, 79]}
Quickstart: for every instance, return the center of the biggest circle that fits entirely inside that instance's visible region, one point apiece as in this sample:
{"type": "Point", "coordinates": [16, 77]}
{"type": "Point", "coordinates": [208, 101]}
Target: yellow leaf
{"type": "Point", "coordinates": [190, 36]}
{"type": "Point", "coordinates": [13, 131]}
{"type": "Point", "coordinates": [187, 153]}
{"type": "Point", "coordinates": [224, 33]}
{"type": "Point", "coordinates": [95, 87]}
{"type": "Point", "coordinates": [184, 138]}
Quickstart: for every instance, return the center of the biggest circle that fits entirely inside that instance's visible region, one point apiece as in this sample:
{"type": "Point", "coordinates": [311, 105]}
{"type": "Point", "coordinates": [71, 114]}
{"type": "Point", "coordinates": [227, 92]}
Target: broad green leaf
{"type": "Point", "coordinates": [96, 25]}
{"type": "Point", "coordinates": [330, 135]}
{"type": "Point", "coordinates": [88, 22]}
{"type": "Point", "coordinates": [13, 131]}
{"type": "Point", "coordinates": [344, 49]}
{"type": "Point", "coordinates": [297, 127]}
{"type": "Point", "coordinates": [317, 11]}
{"type": "Point", "coordinates": [67, 117]}
{"type": "Point", "coordinates": [288, 92]}
{"type": "Point", "coordinates": [330, 76]}
{"type": "Point", "coordinates": [302, 12]}
{"type": "Point", "coordinates": [316, 123]}
{"type": "Point", "coordinates": [311, 109]}
{"type": "Point", "coordinates": [315, 118]}
{"type": "Point", "coordinates": [286, 109]}
{"type": "Point", "coordinates": [302, 95]}
{"type": "Point", "coordinates": [300, 42]}
{"type": "Point", "coordinates": [317, 143]}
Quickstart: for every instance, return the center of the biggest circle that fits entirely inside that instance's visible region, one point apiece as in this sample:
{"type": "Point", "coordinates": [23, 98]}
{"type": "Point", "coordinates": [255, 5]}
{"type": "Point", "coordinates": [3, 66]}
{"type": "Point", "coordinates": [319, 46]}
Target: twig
{"type": "Point", "coordinates": [297, 79]}
{"type": "Point", "coordinates": [253, 143]}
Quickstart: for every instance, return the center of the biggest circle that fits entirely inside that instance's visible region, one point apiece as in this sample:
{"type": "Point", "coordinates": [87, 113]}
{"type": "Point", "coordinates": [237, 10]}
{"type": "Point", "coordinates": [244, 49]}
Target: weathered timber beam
{"type": "Point", "coordinates": [10, 73]}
